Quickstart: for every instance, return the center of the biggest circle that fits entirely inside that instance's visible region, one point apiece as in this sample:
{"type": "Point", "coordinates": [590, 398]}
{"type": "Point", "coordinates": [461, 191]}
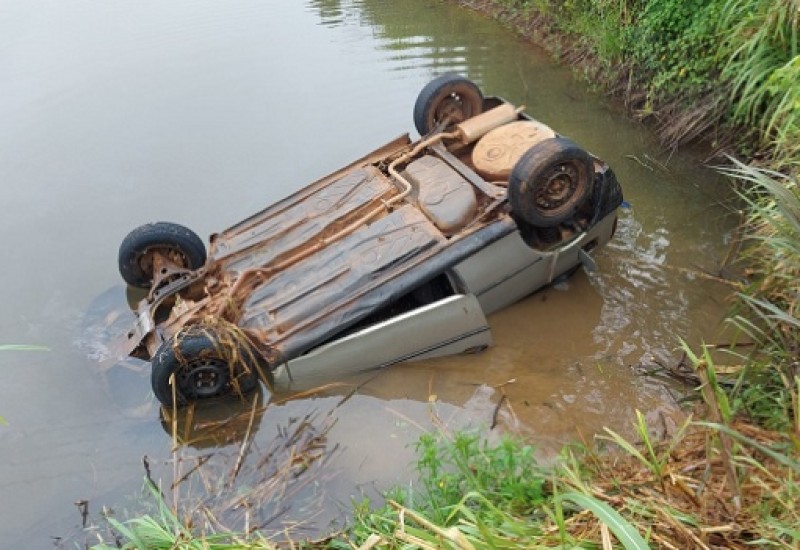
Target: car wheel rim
{"type": "Point", "coordinates": [204, 378]}
{"type": "Point", "coordinates": [451, 109]}
{"type": "Point", "coordinates": [454, 106]}
{"type": "Point", "coordinates": [560, 186]}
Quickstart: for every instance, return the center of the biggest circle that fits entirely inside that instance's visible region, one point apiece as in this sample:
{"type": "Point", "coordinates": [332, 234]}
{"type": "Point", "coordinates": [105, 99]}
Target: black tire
{"type": "Point", "coordinates": [201, 363]}
{"type": "Point", "coordinates": [182, 245]}
{"type": "Point", "coordinates": [448, 96]}
{"type": "Point", "coordinates": [550, 182]}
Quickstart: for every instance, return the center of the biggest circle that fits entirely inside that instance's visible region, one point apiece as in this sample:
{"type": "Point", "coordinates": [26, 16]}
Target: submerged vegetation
{"type": "Point", "coordinates": [726, 484]}
{"type": "Point", "coordinates": [725, 70]}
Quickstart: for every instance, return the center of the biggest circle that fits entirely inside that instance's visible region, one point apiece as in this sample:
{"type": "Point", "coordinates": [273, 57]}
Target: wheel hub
{"type": "Point", "coordinates": [204, 378]}
{"type": "Point", "coordinates": [149, 259]}
{"type": "Point", "coordinates": [451, 108]}
{"type": "Point", "coordinates": [560, 187]}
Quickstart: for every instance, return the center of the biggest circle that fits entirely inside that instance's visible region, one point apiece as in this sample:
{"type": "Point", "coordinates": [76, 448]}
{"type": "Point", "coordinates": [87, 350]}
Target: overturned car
{"type": "Point", "coordinates": [399, 256]}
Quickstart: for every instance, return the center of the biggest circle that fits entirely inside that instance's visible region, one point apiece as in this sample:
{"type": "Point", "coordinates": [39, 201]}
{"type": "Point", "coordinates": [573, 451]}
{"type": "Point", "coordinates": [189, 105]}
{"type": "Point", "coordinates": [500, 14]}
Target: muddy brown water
{"type": "Point", "coordinates": [116, 114]}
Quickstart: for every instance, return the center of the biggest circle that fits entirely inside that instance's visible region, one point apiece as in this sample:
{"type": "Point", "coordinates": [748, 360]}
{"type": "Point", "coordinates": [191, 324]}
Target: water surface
{"type": "Point", "coordinates": [116, 113]}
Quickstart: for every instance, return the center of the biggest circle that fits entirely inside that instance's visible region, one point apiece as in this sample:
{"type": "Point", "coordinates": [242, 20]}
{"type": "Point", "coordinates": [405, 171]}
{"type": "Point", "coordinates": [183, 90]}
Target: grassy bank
{"type": "Point", "coordinates": [724, 71]}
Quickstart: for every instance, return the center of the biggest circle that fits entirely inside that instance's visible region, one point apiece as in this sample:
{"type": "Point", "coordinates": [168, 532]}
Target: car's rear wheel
{"type": "Point", "coordinates": [177, 244]}
{"type": "Point", "coordinates": [204, 365]}
{"type": "Point", "coordinates": [449, 99]}
{"type": "Point", "coordinates": [550, 182]}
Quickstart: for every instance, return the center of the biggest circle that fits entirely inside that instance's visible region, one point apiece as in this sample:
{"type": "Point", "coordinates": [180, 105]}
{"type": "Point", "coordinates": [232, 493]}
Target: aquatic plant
{"type": "Point", "coordinates": [166, 531]}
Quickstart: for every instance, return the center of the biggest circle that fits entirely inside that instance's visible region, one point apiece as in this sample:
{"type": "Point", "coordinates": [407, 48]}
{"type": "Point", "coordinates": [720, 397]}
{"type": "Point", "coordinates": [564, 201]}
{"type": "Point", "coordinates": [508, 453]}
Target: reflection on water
{"type": "Point", "coordinates": [285, 474]}
{"type": "Point", "coordinates": [198, 112]}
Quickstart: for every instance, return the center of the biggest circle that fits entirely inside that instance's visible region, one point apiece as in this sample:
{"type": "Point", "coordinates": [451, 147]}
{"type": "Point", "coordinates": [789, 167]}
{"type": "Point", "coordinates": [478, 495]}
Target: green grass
{"type": "Point", "coordinates": [165, 531]}
{"type": "Point", "coordinates": [466, 485]}
{"type": "Point", "coordinates": [769, 306]}
{"type": "Point", "coordinates": [472, 495]}
{"type": "Point", "coordinates": [651, 457]}
{"type": "Point", "coordinates": [763, 67]}
{"type": "Point", "coordinates": [482, 496]}
{"type": "Point", "coordinates": [723, 70]}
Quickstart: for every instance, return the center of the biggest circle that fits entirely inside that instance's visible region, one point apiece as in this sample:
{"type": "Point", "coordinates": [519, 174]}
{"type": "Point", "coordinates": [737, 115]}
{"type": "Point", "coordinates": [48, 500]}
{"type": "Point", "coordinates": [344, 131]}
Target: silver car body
{"type": "Point", "coordinates": [455, 324]}
{"type": "Point", "coordinates": [399, 256]}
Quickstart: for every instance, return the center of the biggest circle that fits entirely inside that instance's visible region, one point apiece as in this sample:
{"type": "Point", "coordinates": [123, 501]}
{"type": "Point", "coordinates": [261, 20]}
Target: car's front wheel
{"type": "Point", "coordinates": [550, 182]}
{"type": "Point", "coordinates": [175, 243]}
{"type": "Point", "coordinates": [201, 363]}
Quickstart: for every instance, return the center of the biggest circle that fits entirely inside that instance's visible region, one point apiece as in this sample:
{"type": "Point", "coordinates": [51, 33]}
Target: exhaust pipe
{"type": "Point", "coordinates": [473, 128]}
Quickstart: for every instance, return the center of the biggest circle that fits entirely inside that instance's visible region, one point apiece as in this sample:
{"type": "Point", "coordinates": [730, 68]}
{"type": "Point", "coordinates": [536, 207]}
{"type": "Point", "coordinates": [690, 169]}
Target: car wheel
{"type": "Point", "coordinates": [451, 98]}
{"type": "Point", "coordinates": [550, 182]}
{"type": "Point", "coordinates": [180, 245]}
{"type": "Point", "coordinates": [204, 365]}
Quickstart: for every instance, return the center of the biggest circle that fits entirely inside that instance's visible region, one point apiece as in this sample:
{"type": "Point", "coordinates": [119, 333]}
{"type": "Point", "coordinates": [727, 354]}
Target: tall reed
{"type": "Point", "coordinates": [763, 37]}
{"type": "Point", "coordinates": [770, 304]}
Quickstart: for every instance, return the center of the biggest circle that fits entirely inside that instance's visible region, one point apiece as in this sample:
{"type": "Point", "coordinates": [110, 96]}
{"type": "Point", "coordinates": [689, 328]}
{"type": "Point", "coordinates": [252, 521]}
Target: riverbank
{"type": "Point", "coordinates": [720, 73]}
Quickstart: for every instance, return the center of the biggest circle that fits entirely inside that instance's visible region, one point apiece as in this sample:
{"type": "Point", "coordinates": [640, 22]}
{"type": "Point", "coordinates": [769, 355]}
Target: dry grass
{"type": "Point", "coordinates": [697, 506]}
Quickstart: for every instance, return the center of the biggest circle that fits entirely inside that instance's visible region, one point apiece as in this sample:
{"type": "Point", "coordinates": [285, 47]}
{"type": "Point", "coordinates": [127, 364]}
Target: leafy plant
{"type": "Point", "coordinates": [474, 496]}
{"type": "Point", "coordinates": [507, 473]}
{"type": "Point", "coordinates": [763, 38]}
{"type": "Point", "coordinates": [675, 41]}
{"type": "Point", "coordinates": [624, 531]}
